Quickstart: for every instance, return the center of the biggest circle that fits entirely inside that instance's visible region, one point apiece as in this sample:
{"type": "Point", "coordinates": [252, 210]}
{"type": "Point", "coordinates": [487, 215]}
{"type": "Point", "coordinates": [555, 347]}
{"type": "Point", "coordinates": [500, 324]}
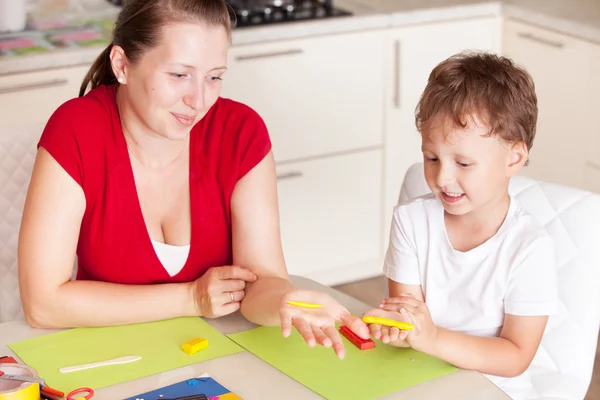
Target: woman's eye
{"type": "Point", "coordinates": [432, 159]}
{"type": "Point", "coordinates": [177, 76]}
{"type": "Point", "coordinates": [463, 164]}
{"type": "Point", "coordinates": [215, 78]}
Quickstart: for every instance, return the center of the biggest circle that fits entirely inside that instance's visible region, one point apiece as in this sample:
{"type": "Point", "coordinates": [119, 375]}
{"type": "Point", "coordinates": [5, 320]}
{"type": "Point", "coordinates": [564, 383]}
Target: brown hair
{"type": "Point", "coordinates": [138, 29]}
{"type": "Point", "coordinates": [484, 85]}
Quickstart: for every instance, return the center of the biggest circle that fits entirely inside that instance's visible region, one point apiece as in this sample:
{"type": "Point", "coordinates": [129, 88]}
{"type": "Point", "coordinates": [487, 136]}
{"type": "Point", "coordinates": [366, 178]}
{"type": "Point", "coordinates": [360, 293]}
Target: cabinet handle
{"type": "Point", "coordinates": [289, 175]}
{"type": "Point", "coordinates": [534, 38]}
{"type": "Point", "coordinates": [269, 55]}
{"type": "Point", "coordinates": [397, 74]}
{"type": "Point", "coordinates": [35, 85]}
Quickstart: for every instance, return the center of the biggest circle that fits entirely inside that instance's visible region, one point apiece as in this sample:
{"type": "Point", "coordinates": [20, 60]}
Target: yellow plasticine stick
{"type": "Point", "coordinates": [405, 326]}
{"type": "Point", "coordinates": [194, 345]}
{"type": "Point", "coordinates": [303, 304]}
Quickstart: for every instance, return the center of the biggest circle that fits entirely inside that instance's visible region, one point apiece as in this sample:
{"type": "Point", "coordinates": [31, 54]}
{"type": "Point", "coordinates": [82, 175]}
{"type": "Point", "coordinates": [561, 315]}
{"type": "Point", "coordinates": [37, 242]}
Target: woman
{"type": "Point", "coordinates": [165, 191]}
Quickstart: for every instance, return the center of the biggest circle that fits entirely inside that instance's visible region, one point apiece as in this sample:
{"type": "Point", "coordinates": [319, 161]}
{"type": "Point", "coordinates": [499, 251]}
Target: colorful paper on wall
{"type": "Point", "coordinates": [367, 374]}
{"type": "Point", "coordinates": [158, 343]}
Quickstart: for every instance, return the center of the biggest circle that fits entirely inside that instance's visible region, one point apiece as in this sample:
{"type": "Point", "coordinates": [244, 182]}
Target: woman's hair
{"type": "Point", "coordinates": [139, 27]}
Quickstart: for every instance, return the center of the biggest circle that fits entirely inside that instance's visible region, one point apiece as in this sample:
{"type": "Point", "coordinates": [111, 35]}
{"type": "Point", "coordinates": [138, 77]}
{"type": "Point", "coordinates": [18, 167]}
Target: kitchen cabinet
{"type": "Point", "coordinates": [591, 175]}
{"type": "Point", "coordinates": [32, 97]}
{"type": "Point", "coordinates": [318, 96]}
{"type": "Point", "coordinates": [411, 53]}
{"type": "Point", "coordinates": [561, 68]}
{"type": "Point", "coordinates": [329, 212]}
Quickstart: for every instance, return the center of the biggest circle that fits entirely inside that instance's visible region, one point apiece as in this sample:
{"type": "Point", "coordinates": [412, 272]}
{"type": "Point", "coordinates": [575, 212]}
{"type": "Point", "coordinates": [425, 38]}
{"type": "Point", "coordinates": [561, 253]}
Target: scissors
{"type": "Point", "coordinates": [45, 389]}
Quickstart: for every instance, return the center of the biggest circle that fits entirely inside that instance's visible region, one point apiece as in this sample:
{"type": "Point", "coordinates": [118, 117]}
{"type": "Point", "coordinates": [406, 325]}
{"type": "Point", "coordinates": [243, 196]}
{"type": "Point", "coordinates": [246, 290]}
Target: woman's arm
{"type": "Point", "coordinates": [257, 242]}
{"type": "Point", "coordinates": [48, 239]}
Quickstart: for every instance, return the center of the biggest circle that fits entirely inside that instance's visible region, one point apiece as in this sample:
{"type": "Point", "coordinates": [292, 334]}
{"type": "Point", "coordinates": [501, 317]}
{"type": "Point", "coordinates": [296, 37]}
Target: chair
{"type": "Point", "coordinates": [562, 367]}
{"type": "Point", "coordinates": [17, 154]}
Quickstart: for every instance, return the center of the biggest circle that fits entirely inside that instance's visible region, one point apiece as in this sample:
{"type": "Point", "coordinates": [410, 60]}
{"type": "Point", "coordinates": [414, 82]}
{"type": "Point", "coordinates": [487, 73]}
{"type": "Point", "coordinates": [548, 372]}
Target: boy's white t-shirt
{"type": "Point", "coordinates": [514, 272]}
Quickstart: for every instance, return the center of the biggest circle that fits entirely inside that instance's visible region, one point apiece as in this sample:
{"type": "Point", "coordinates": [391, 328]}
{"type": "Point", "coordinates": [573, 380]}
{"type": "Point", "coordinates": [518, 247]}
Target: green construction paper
{"type": "Point", "coordinates": [366, 374]}
{"type": "Point", "coordinates": [158, 343]}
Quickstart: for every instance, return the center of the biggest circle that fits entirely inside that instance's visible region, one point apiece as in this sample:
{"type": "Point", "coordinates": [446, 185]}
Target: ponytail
{"type": "Point", "coordinates": [100, 72]}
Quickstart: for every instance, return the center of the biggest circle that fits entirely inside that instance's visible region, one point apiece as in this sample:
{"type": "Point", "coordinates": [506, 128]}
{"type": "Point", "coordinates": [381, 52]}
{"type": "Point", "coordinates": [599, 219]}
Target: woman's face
{"type": "Point", "coordinates": [175, 83]}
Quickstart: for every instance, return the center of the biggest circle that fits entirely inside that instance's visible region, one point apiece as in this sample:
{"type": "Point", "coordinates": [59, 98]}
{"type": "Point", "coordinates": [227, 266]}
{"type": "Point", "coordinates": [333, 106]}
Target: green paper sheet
{"type": "Point", "coordinates": [158, 343]}
{"type": "Point", "coordinates": [366, 374]}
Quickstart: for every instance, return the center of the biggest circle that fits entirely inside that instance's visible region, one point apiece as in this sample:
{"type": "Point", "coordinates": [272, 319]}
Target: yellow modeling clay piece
{"type": "Point", "coordinates": [303, 304]}
{"type": "Point", "coordinates": [194, 345]}
{"type": "Point", "coordinates": [405, 326]}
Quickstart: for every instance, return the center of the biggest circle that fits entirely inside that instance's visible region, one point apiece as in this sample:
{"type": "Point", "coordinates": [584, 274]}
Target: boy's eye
{"type": "Point", "coordinates": [215, 78]}
{"type": "Point", "coordinates": [462, 164]}
{"type": "Point", "coordinates": [432, 159]}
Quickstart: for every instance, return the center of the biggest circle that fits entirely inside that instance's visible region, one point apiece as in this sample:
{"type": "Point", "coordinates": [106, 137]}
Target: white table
{"type": "Point", "coordinates": [251, 378]}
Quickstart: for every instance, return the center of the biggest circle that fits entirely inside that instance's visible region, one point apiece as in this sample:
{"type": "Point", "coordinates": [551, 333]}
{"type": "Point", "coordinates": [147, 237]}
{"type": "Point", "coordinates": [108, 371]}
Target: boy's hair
{"type": "Point", "coordinates": [484, 85]}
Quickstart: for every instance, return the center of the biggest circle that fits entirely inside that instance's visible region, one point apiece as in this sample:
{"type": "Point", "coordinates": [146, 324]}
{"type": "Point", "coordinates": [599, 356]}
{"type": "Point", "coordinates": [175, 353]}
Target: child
{"type": "Point", "coordinates": [474, 272]}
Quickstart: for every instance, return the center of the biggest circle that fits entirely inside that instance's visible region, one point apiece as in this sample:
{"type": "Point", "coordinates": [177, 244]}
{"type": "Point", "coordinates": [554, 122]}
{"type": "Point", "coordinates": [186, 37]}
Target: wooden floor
{"type": "Point", "coordinates": [369, 291]}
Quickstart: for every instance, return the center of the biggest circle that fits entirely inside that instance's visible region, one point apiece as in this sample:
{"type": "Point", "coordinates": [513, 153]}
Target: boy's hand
{"type": "Point", "coordinates": [388, 335]}
{"type": "Point", "coordinates": [424, 335]}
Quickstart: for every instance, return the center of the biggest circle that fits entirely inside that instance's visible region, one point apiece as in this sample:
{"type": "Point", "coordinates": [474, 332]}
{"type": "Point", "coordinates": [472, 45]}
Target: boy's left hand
{"type": "Point", "coordinates": [425, 333]}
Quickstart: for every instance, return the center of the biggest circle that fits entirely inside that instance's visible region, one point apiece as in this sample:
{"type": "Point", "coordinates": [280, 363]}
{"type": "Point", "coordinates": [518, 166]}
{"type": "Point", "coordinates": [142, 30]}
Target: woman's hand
{"type": "Point", "coordinates": [425, 333]}
{"type": "Point", "coordinates": [389, 335]}
{"type": "Point", "coordinates": [318, 325]}
{"type": "Point", "coordinates": [220, 290]}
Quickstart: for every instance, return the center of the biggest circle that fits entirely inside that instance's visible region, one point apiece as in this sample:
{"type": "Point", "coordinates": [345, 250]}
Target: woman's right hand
{"type": "Point", "coordinates": [220, 290]}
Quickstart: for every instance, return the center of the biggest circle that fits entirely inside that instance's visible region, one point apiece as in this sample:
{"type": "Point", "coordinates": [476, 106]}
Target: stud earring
{"type": "Point", "coordinates": [120, 79]}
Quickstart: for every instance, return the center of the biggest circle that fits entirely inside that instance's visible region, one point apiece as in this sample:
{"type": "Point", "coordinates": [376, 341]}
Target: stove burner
{"type": "Point", "coordinates": [261, 12]}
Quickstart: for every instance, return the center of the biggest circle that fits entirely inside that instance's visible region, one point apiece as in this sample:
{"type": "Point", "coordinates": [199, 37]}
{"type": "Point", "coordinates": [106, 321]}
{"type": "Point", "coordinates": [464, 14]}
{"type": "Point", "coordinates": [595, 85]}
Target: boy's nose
{"type": "Point", "coordinates": [445, 177]}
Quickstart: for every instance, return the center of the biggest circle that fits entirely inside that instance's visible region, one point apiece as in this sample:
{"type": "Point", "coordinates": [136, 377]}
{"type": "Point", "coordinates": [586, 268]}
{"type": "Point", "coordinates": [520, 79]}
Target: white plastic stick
{"type": "Point", "coordinates": [120, 360]}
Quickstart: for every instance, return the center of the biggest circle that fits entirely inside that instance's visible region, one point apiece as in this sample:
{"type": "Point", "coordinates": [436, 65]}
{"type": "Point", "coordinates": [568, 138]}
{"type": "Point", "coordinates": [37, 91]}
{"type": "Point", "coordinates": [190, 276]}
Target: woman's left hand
{"type": "Point", "coordinates": [318, 325]}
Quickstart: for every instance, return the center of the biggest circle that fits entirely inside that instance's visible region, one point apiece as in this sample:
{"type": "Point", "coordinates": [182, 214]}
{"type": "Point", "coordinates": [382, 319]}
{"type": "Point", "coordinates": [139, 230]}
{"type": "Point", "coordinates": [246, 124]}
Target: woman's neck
{"type": "Point", "coordinates": [151, 149]}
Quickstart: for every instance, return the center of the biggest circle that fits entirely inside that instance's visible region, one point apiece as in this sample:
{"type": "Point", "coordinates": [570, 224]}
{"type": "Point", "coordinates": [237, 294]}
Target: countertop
{"type": "Point", "coordinates": [578, 18]}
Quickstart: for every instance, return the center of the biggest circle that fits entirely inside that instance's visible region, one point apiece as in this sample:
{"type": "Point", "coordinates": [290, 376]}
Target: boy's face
{"type": "Point", "coordinates": [465, 168]}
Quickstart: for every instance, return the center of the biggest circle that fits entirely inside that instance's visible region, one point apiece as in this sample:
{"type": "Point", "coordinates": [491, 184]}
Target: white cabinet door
{"type": "Point", "coordinates": [318, 96]}
{"type": "Point", "coordinates": [561, 69]}
{"type": "Point", "coordinates": [411, 54]}
{"type": "Point", "coordinates": [32, 97]}
{"type": "Point", "coordinates": [591, 177]}
{"type": "Point", "coordinates": [329, 210]}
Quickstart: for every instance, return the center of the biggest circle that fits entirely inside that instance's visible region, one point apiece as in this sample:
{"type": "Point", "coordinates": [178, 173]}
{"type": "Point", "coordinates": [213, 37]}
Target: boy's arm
{"type": "Point", "coordinates": [508, 355]}
{"type": "Point", "coordinates": [531, 296]}
{"type": "Point", "coordinates": [396, 289]}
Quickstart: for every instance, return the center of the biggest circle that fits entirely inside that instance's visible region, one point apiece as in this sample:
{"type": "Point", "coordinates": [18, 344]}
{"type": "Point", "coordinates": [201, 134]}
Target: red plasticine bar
{"type": "Point", "coordinates": [356, 340]}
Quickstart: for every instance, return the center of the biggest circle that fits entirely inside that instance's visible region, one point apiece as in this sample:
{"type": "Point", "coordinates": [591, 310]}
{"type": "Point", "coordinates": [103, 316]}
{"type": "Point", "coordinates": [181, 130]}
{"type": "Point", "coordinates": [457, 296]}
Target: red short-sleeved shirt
{"type": "Point", "coordinates": [84, 136]}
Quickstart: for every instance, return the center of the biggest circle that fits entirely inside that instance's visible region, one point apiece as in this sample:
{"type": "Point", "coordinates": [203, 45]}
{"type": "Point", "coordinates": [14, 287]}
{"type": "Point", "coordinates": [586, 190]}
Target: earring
{"type": "Point", "coordinates": [121, 79]}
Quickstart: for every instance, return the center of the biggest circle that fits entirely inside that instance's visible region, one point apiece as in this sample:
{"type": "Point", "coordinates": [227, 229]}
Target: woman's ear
{"type": "Point", "coordinates": [519, 155]}
{"type": "Point", "coordinates": [118, 61]}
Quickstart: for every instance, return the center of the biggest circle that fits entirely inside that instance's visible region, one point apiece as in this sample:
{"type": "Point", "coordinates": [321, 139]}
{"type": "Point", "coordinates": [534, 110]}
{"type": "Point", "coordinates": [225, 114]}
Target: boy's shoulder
{"type": "Point", "coordinates": [524, 228]}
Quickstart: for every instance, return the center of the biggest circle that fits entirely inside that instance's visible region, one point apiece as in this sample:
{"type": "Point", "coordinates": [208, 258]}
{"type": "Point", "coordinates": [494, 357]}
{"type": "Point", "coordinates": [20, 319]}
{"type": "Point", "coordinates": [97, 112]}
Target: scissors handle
{"type": "Point", "coordinates": [89, 393]}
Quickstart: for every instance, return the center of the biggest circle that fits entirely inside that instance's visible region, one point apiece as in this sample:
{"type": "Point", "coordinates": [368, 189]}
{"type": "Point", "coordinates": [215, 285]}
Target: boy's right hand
{"type": "Point", "coordinates": [388, 335]}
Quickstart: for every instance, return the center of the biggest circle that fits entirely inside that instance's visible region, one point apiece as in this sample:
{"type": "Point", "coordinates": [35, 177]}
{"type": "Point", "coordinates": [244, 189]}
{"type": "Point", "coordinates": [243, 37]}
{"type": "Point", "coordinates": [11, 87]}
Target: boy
{"type": "Point", "coordinates": [474, 272]}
